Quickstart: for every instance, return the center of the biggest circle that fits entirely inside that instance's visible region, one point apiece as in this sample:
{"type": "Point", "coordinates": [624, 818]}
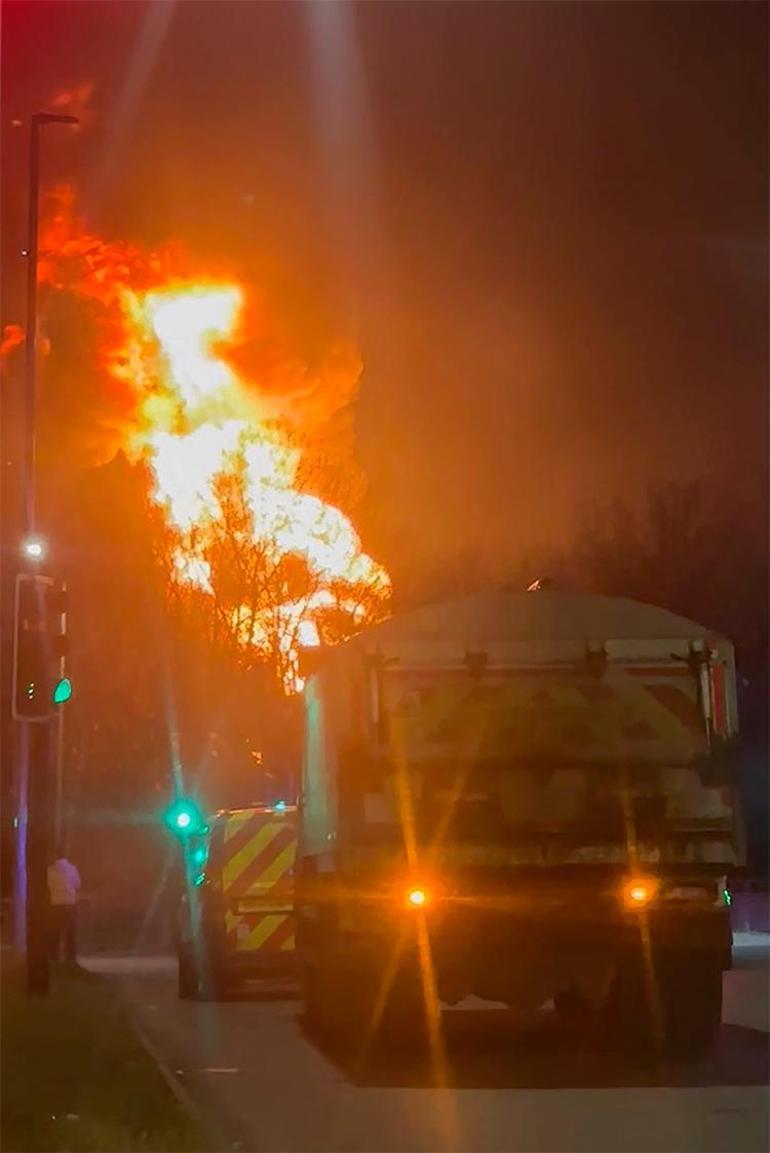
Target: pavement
{"type": "Point", "coordinates": [504, 1084]}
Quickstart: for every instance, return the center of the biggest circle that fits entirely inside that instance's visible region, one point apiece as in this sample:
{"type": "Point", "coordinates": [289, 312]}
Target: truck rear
{"type": "Point", "coordinates": [523, 797]}
{"type": "Point", "coordinates": [236, 917]}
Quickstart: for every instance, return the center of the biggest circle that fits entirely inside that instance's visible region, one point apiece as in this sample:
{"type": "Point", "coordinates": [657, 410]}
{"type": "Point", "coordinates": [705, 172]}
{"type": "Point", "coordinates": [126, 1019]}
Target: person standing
{"type": "Point", "coordinates": [63, 888]}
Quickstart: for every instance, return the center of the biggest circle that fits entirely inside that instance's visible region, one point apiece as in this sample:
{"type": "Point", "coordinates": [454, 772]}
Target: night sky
{"type": "Point", "coordinates": [544, 225]}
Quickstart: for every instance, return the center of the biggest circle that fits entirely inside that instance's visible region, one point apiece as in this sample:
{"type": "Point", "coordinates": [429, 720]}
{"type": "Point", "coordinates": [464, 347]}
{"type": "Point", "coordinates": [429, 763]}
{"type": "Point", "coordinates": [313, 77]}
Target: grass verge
{"type": "Point", "coordinates": [76, 1077]}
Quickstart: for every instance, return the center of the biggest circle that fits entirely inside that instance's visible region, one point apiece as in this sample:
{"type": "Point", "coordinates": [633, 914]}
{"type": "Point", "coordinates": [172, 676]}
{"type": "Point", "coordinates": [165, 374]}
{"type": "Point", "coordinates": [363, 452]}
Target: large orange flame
{"type": "Point", "coordinates": [199, 424]}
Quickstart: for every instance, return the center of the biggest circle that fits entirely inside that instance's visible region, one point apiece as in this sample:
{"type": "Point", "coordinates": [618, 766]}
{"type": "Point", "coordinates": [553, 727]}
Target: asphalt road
{"type": "Point", "coordinates": [506, 1085]}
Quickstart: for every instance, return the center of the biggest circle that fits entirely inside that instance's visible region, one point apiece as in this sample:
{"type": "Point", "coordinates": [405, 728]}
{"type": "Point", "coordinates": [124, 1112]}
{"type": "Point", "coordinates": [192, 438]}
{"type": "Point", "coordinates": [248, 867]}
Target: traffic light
{"type": "Point", "coordinates": [39, 646]}
{"type": "Point", "coordinates": [184, 818]}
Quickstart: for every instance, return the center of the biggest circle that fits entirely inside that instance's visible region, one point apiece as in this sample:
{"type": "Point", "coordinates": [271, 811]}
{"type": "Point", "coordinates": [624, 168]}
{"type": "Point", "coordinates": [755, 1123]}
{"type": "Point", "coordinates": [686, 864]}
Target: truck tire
{"type": "Point", "coordinates": [407, 1022]}
{"type": "Point", "coordinates": [312, 997]}
{"type": "Point", "coordinates": [576, 1015]}
{"type": "Point", "coordinates": [632, 1020]}
{"type": "Point", "coordinates": [333, 1008]}
{"type": "Point", "coordinates": [341, 1000]}
{"type": "Point", "coordinates": [691, 994]}
{"type": "Point", "coordinates": [678, 1013]}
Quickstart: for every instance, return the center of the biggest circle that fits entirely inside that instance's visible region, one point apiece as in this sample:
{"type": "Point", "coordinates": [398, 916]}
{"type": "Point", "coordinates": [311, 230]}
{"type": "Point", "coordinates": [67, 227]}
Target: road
{"type": "Point", "coordinates": [507, 1086]}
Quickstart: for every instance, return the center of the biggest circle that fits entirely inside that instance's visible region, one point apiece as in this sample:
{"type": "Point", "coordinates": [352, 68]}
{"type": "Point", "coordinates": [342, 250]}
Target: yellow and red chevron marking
{"type": "Point", "coordinates": [260, 932]}
{"type": "Point", "coordinates": [632, 708]}
{"type": "Point", "coordinates": [258, 856]}
{"type": "Point", "coordinates": [675, 690]}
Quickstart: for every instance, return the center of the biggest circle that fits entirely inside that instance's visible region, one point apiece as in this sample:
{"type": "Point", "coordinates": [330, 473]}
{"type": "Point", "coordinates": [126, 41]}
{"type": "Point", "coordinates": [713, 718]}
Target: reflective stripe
{"type": "Point", "coordinates": [261, 932]}
{"type": "Point", "coordinates": [279, 869]}
{"type": "Point", "coordinates": [238, 830]}
{"type": "Point", "coordinates": [253, 851]}
{"type": "Point", "coordinates": [258, 853]}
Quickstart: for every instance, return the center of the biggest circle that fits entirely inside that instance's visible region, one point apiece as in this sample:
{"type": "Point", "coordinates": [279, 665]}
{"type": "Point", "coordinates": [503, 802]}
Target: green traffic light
{"type": "Point", "coordinates": [63, 691]}
{"type": "Point", "coordinates": [184, 818]}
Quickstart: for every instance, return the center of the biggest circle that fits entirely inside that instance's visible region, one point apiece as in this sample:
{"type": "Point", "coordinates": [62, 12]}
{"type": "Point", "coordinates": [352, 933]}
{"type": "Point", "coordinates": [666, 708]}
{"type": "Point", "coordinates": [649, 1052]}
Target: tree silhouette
{"type": "Point", "coordinates": [689, 553]}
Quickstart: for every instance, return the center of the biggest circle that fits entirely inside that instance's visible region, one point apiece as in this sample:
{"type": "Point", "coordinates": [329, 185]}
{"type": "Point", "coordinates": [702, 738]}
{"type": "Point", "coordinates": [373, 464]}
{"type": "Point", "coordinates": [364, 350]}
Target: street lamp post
{"type": "Point", "coordinates": [39, 120]}
{"type": "Point", "coordinates": [33, 779]}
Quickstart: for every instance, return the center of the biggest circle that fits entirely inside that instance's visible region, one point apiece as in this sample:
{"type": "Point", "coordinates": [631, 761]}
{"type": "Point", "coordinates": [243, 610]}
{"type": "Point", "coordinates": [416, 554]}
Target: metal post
{"type": "Point", "coordinates": [38, 844]}
{"type": "Point", "coordinates": [30, 344]}
{"type": "Point", "coordinates": [20, 891]}
{"type": "Point", "coordinates": [33, 791]}
{"type": "Point", "coordinates": [59, 748]}
{"type": "Point", "coordinates": [25, 735]}
{"type": "Point", "coordinates": [58, 824]}
{"type": "Point", "coordinates": [33, 833]}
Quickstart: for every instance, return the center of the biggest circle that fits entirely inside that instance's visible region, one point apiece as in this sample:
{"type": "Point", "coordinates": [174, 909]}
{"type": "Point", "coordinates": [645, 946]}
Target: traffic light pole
{"type": "Point", "coordinates": [30, 366]}
{"type": "Point", "coordinates": [32, 846]}
{"type": "Point", "coordinates": [33, 777]}
{"type": "Point", "coordinates": [58, 817]}
{"type": "Point", "coordinates": [22, 799]}
{"type": "Point", "coordinates": [38, 844]}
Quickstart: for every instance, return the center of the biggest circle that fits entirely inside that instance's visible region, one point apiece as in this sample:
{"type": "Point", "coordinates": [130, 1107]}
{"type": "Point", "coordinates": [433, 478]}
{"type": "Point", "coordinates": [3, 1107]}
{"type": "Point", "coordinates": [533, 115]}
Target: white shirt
{"type": "Point", "coordinates": [63, 882]}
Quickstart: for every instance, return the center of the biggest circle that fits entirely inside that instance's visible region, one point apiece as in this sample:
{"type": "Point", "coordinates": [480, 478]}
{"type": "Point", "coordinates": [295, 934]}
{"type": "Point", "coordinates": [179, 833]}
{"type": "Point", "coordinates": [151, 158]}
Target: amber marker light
{"type": "Point", "coordinates": [640, 892]}
{"type": "Point", "coordinates": [417, 898]}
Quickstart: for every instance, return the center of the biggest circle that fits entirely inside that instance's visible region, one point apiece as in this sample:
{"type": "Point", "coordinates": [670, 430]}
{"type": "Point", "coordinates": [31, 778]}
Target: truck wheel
{"type": "Point", "coordinates": [312, 997]}
{"type": "Point", "coordinates": [679, 1014]}
{"type": "Point", "coordinates": [632, 1022]}
{"type": "Point", "coordinates": [691, 993]}
{"type": "Point", "coordinates": [407, 1022]}
{"type": "Point", "coordinates": [573, 1010]}
{"type": "Point", "coordinates": [333, 1009]}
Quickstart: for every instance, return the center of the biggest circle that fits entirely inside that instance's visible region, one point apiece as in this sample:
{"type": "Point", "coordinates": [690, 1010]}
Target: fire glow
{"type": "Point", "coordinates": [205, 425]}
{"type": "Point", "coordinates": [203, 429]}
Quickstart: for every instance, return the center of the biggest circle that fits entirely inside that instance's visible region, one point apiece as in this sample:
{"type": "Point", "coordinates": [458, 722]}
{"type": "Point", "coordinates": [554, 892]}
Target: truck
{"type": "Point", "coordinates": [524, 797]}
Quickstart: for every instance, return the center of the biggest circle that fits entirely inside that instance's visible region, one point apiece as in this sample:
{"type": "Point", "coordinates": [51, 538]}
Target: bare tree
{"type": "Point", "coordinates": [254, 602]}
{"type": "Point", "coordinates": [674, 551]}
{"type": "Point", "coordinates": [689, 551]}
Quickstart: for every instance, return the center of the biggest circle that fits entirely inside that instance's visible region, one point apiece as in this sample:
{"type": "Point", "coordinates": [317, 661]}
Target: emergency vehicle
{"type": "Point", "coordinates": [236, 916]}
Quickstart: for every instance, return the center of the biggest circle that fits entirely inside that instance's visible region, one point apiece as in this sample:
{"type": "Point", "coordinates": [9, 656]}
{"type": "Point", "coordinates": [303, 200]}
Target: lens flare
{"type": "Point", "coordinates": [640, 892]}
{"type": "Point", "coordinates": [417, 898]}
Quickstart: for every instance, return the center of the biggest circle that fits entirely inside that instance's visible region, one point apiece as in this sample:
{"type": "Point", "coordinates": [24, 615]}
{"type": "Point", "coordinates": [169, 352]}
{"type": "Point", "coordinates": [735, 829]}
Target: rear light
{"type": "Point", "coordinates": [417, 898]}
{"type": "Point", "coordinates": [640, 892]}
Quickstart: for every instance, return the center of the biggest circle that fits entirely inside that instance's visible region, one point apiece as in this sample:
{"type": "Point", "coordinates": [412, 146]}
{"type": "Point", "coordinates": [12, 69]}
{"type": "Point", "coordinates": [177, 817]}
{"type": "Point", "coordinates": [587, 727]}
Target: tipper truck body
{"type": "Point", "coordinates": [523, 797]}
